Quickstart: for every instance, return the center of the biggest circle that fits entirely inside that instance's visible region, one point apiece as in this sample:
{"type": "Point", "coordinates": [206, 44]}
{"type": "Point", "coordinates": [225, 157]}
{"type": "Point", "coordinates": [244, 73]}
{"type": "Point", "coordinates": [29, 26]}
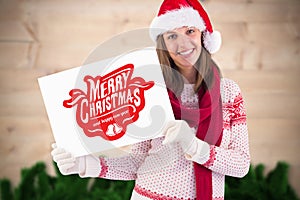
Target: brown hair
{"type": "Point", "coordinates": [174, 80]}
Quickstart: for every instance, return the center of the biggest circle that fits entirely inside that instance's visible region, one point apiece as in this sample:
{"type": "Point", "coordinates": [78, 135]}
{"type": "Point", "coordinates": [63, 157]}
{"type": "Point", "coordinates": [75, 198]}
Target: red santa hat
{"type": "Point", "coordinates": [178, 13]}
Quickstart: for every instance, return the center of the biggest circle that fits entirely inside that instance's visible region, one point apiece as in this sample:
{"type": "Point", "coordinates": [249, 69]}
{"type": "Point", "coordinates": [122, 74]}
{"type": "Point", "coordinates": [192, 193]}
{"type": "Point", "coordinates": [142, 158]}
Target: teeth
{"type": "Point", "coordinates": [185, 52]}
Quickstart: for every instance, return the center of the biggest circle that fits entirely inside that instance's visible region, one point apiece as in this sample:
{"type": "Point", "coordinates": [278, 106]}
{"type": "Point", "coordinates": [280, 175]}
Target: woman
{"type": "Point", "coordinates": [208, 139]}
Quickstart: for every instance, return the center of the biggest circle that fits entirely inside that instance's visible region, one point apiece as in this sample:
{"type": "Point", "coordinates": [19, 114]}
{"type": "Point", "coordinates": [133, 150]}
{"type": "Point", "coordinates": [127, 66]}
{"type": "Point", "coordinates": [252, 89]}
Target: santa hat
{"type": "Point", "coordinates": [178, 13]}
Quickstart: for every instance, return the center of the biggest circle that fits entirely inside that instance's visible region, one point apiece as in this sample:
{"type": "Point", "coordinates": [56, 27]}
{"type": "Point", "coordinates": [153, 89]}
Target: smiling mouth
{"type": "Point", "coordinates": [185, 53]}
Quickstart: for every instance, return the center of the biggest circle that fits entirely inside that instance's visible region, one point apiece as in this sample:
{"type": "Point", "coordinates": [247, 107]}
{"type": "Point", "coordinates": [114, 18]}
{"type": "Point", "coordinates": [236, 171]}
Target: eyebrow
{"type": "Point", "coordinates": [170, 32]}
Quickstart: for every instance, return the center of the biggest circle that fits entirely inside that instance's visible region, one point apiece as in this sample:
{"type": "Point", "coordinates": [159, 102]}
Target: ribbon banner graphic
{"type": "Point", "coordinates": [110, 104]}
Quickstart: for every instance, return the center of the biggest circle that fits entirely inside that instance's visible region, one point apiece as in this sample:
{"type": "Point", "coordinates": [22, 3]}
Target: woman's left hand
{"type": "Point", "coordinates": [178, 131]}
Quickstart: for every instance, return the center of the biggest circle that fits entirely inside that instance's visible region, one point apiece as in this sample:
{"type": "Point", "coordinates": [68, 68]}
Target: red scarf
{"type": "Point", "coordinates": [210, 110]}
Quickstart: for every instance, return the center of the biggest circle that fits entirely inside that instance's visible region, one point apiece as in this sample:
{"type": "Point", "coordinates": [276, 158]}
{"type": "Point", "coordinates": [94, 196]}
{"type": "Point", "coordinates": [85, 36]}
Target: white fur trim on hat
{"type": "Point", "coordinates": [185, 16]}
{"type": "Point", "coordinates": [212, 41]}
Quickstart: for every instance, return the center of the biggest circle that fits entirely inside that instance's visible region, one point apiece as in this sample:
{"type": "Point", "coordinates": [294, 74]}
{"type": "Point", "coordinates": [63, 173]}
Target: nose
{"type": "Point", "coordinates": [183, 41]}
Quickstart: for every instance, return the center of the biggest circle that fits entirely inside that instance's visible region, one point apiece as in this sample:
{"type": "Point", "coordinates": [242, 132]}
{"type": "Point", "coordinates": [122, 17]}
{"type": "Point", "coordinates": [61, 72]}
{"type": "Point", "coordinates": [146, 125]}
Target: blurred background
{"type": "Point", "coordinates": [260, 51]}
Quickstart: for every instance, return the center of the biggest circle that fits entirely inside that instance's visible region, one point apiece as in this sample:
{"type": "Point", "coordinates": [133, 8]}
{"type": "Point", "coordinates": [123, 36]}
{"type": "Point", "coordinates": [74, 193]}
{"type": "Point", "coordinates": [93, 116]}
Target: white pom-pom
{"type": "Point", "coordinates": [212, 41]}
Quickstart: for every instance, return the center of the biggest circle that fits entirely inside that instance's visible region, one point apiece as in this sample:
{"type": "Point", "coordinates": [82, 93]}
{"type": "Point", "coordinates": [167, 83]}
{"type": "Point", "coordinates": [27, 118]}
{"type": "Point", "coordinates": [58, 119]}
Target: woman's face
{"type": "Point", "coordinates": [184, 46]}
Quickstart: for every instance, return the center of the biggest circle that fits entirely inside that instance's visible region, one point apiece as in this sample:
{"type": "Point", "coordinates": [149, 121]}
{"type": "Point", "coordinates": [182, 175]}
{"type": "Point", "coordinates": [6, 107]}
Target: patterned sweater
{"type": "Point", "coordinates": [163, 172]}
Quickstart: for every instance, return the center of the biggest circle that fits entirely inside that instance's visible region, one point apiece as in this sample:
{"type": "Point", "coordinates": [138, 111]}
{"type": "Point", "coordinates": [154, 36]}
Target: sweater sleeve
{"type": "Point", "coordinates": [232, 157]}
{"type": "Point", "coordinates": [125, 167]}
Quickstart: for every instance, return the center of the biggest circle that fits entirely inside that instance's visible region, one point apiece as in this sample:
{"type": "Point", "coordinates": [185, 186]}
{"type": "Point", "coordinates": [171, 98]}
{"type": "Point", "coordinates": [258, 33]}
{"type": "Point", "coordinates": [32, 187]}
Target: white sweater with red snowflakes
{"type": "Point", "coordinates": [163, 172]}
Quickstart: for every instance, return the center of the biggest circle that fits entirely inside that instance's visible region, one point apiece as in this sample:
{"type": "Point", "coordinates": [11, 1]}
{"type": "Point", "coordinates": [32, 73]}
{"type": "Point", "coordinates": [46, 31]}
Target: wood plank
{"type": "Point", "coordinates": [59, 25]}
{"type": "Point", "coordinates": [104, 9]}
{"type": "Point", "coordinates": [243, 55]}
{"type": "Point", "coordinates": [14, 80]}
{"type": "Point", "coordinates": [18, 47]}
{"type": "Point", "coordinates": [70, 54]}
{"type": "Point", "coordinates": [28, 126]}
{"type": "Point", "coordinates": [257, 46]}
{"type": "Point", "coordinates": [255, 57]}
{"type": "Point", "coordinates": [267, 33]}
{"type": "Point", "coordinates": [267, 131]}
{"type": "Point", "coordinates": [22, 103]}
{"type": "Point", "coordinates": [253, 11]}
{"type": "Point", "coordinates": [27, 150]}
{"type": "Point", "coordinates": [10, 10]}
{"type": "Point", "coordinates": [56, 56]}
{"type": "Point", "coordinates": [272, 104]}
{"type": "Point", "coordinates": [272, 45]}
{"type": "Point", "coordinates": [255, 1]}
{"type": "Point", "coordinates": [27, 137]}
{"type": "Point", "coordinates": [14, 31]}
{"type": "Point", "coordinates": [233, 42]}
{"type": "Point", "coordinates": [91, 15]}
{"type": "Point", "coordinates": [265, 81]}
{"type": "Point", "coordinates": [272, 140]}
{"type": "Point", "coordinates": [17, 54]}
{"type": "Point", "coordinates": [220, 11]}
{"type": "Point", "coordinates": [91, 18]}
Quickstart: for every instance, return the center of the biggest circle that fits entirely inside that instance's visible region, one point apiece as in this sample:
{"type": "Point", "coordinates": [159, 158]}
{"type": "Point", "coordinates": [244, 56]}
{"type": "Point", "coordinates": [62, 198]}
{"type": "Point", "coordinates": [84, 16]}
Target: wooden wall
{"type": "Point", "coordinates": [261, 52]}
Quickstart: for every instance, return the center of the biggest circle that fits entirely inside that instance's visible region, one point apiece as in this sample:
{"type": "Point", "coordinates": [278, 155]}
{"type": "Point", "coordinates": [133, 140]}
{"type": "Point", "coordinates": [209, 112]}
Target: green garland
{"type": "Point", "coordinates": [36, 184]}
{"type": "Point", "coordinates": [256, 186]}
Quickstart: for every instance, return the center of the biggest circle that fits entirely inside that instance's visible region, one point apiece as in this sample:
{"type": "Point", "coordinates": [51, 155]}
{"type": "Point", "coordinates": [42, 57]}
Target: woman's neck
{"type": "Point", "coordinates": [189, 75]}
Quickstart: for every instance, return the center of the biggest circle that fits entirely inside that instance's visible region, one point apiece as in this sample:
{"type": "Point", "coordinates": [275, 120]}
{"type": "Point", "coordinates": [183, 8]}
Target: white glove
{"type": "Point", "coordinates": [178, 131]}
{"type": "Point", "coordinates": [85, 166]}
{"type": "Point", "coordinates": [66, 163]}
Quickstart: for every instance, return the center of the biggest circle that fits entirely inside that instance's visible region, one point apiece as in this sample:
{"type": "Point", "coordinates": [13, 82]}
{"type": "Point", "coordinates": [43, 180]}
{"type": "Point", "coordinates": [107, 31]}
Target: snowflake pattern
{"type": "Point", "coordinates": [162, 173]}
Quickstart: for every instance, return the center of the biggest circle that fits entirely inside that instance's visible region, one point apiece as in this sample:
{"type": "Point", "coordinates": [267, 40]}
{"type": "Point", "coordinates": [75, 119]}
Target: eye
{"type": "Point", "coordinates": [190, 30]}
{"type": "Point", "coordinates": [172, 37]}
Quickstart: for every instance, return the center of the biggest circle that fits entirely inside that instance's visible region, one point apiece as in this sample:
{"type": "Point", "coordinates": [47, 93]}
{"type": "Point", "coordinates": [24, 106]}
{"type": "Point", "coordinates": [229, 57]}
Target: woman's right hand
{"type": "Point", "coordinates": [66, 162]}
{"type": "Point", "coordinates": [84, 166]}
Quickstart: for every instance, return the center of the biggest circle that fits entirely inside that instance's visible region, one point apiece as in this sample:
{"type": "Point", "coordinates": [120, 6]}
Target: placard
{"type": "Point", "coordinates": [107, 104]}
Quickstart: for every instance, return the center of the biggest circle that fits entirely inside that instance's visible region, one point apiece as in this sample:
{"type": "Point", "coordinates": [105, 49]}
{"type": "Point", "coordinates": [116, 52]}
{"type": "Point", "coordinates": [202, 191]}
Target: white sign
{"type": "Point", "coordinates": [107, 104]}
